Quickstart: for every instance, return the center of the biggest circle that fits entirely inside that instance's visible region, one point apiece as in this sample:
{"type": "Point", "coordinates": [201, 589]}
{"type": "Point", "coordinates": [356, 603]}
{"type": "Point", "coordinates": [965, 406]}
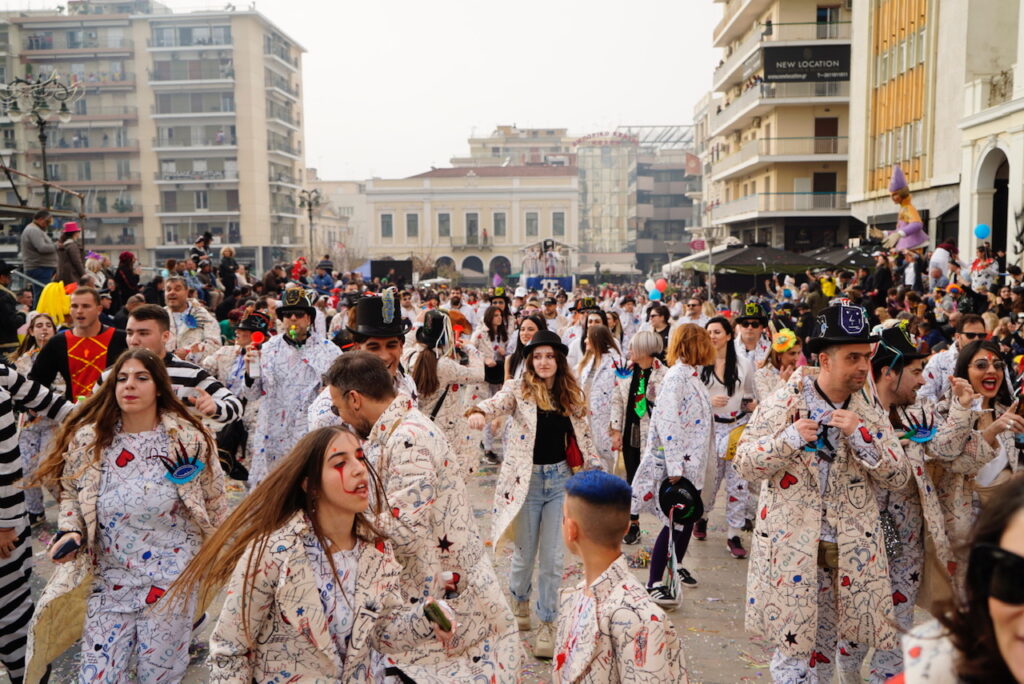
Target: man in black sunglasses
{"type": "Point", "coordinates": [823, 447]}
{"type": "Point", "coordinates": [970, 327]}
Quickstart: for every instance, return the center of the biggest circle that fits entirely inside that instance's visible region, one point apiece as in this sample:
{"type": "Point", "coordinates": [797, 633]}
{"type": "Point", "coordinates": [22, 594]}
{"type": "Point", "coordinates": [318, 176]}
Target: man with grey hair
{"type": "Point", "coordinates": [195, 333]}
{"type": "Point", "coordinates": [818, 570]}
{"type": "Point", "coordinates": [431, 525]}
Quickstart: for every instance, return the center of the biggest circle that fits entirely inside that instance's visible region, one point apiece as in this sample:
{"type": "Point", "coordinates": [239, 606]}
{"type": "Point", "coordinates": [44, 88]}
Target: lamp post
{"type": "Point", "coordinates": [310, 200]}
{"type": "Point", "coordinates": [34, 102]}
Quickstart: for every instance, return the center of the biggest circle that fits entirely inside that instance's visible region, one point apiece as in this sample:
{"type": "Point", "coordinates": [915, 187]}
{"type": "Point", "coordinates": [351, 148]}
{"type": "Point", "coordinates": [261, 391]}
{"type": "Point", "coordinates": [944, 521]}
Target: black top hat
{"type": "Point", "coordinates": [753, 311]}
{"type": "Point", "coordinates": [840, 324]}
{"type": "Point", "coordinates": [380, 317]}
{"type": "Point", "coordinates": [5, 268]}
{"type": "Point", "coordinates": [499, 293]}
{"type": "Point", "coordinates": [257, 321]}
{"type": "Point", "coordinates": [894, 345]}
{"type": "Point", "coordinates": [297, 299]}
{"type": "Point", "coordinates": [432, 329]}
{"type": "Point", "coordinates": [545, 338]}
{"type": "Point", "coordinates": [684, 495]}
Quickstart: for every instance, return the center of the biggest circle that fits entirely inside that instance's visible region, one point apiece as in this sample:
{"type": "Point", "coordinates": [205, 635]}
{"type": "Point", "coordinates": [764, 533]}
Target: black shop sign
{"type": "Point", "coordinates": [807, 63]}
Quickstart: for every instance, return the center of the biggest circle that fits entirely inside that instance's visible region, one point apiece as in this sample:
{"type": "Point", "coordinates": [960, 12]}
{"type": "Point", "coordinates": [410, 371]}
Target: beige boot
{"type": "Point", "coordinates": [521, 610]}
{"type": "Point", "coordinates": [544, 645]}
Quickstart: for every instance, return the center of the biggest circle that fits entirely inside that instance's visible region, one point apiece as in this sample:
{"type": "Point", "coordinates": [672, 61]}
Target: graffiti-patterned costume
{"type": "Point", "coordinates": [598, 381]}
{"type": "Point", "coordinates": [727, 419]}
{"type": "Point", "coordinates": [34, 434]}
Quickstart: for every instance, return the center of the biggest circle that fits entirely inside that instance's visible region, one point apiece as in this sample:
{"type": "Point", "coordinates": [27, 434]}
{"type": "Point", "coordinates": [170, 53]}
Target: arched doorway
{"type": "Point", "coordinates": [445, 263]}
{"type": "Point", "coordinates": [473, 263]}
{"type": "Point", "coordinates": [501, 265]}
{"type": "Point", "coordinates": [993, 196]}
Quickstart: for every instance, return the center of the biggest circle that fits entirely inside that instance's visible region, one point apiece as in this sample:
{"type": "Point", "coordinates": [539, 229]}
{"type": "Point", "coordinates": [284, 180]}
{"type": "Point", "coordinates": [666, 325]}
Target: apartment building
{"type": "Point", "coordinates": [514, 146]}
{"type": "Point", "coordinates": [476, 222]}
{"type": "Point", "coordinates": [778, 136]}
{"type": "Point", "coordinates": [906, 101]}
{"type": "Point", "coordinates": [188, 123]}
{"type": "Point", "coordinates": [607, 164]}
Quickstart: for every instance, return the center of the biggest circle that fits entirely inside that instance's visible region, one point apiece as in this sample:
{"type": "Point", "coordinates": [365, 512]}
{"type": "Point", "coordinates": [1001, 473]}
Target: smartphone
{"type": "Point", "coordinates": [66, 548]}
{"type": "Point", "coordinates": [434, 614]}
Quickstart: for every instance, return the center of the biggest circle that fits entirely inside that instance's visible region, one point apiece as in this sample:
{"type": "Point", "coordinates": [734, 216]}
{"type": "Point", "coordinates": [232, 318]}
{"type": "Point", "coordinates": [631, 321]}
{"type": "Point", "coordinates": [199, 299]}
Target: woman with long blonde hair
{"type": "Point", "coordinates": [140, 489]}
{"type": "Point", "coordinates": [548, 432]}
{"type": "Point", "coordinates": [305, 549]}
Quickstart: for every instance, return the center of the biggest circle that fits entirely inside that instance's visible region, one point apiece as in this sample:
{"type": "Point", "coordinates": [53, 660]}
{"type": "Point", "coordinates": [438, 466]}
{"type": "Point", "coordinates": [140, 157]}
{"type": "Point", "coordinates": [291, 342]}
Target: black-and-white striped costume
{"type": "Point", "coordinates": [15, 596]}
{"type": "Point", "coordinates": [185, 376]}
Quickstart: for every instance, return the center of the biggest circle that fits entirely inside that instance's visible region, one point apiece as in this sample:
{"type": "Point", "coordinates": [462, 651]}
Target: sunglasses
{"type": "Point", "coordinates": [693, 306]}
{"type": "Point", "coordinates": [974, 336]}
{"type": "Point", "coordinates": [983, 364]}
{"type": "Point", "coordinates": [751, 324]}
{"type": "Point", "coordinates": [996, 572]}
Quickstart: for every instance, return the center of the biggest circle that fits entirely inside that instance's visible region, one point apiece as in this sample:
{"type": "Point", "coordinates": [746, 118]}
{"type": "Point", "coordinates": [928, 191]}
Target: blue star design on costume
{"type": "Point", "coordinates": [300, 611]}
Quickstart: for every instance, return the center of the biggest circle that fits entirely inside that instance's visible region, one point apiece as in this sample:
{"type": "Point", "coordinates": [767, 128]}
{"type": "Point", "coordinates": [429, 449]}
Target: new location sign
{"type": "Point", "coordinates": [807, 63]}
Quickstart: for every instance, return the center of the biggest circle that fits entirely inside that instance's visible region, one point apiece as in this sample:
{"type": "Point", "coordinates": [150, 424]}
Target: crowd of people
{"type": "Point", "coordinates": [858, 429]}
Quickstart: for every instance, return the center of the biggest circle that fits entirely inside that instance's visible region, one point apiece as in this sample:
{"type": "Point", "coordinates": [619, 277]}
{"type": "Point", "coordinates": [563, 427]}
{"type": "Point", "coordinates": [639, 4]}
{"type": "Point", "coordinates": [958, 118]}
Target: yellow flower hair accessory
{"type": "Point", "coordinates": [783, 340]}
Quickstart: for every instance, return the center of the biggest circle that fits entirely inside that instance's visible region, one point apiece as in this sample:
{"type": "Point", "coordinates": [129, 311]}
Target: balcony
{"type": "Point", "coordinates": [761, 98]}
{"type": "Point", "coordinates": [464, 242]}
{"type": "Point", "coordinates": [755, 154]}
{"type": "Point", "coordinates": [85, 148]}
{"type": "Point", "coordinates": [739, 14]}
{"type": "Point", "coordinates": [285, 149]}
{"type": "Point", "coordinates": [729, 72]}
{"type": "Point", "coordinates": [672, 213]}
{"type": "Point", "coordinates": [210, 114]}
{"type": "Point", "coordinates": [281, 53]}
{"type": "Point", "coordinates": [108, 113]}
{"type": "Point", "coordinates": [284, 179]}
{"type": "Point", "coordinates": [781, 204]}
{"type": "Point", "coordinates": [219, 76]}
{"type": "Point", "coordinates": [986, 93]}
{"type": "Point", "coordinates": [97, 178]}
{"type": "Point", "coordinates": [214, 142]}
{"type": "Point", "coordinates": [208, 176]}
{"type": "Point", "coordinates": [645, 183]}
{"type": "Point", "coordinates": [41, 45]}
{"type": "Point", "coordinates": [283, 87]}
{"type": "Point", "coordinates": [168, 42]}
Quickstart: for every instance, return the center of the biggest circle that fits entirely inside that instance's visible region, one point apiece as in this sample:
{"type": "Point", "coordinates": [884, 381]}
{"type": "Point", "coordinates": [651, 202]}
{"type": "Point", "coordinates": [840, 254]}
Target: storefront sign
{"type": "Point", "coordinates": [807, 63]}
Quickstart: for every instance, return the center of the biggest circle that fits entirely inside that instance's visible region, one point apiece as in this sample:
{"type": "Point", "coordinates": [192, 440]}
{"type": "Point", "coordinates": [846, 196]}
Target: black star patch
{"type": "Point", "coordinates": [915, 577]}
{"type": "Point", "coordinates": [444, 544]}
{"type": "Point", "coordinates": [790, 638]}
{"type": "Point", "coordinates": [518, 479]}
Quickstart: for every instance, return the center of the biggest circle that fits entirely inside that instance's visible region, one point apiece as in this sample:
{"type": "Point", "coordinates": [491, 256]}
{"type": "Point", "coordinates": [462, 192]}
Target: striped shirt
{"type": "Point", "coordinates": [27, 395]}
{"type": "Point", "coordinates": [187, 376]}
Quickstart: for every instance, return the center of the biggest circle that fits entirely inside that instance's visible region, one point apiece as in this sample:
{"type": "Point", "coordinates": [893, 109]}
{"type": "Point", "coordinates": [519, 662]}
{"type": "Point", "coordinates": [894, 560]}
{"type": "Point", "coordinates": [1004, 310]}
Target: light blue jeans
{"type": "Point", "coordinates": [540, 523]}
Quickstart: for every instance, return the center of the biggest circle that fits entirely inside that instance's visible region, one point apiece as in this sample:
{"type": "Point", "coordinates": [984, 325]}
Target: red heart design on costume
{"type": "Point", "coordinates": [920, 471]}
{"type": "Point", "coordinates": [455, 388]}
{"type": "Point", "coordinates": [846, 581]}
{"type": "Point", "coordinates": [898, 598]}
{"type": "Point", "coordinates": [788, 480]}
{"type": "Point", "coordinates": [733, 499]}
{"type": "Point", "coordinates": [951, 567]}
{"type": "Point", "coordinates": [124, 458]}
{"type": "Point", "coordinates": [764, 513]}
{"type": "Point", "coordinates": [154, 595]}
{"type": "Point", "coordinates": [379, 545]}
{"type": "Point", "coordinates": [559, 661]}
{"type": "Point", "coordinates": [648, 496]}
{"type": "Point", "coordinates": [914, 652]}
{"type": "Point", "coordinates": [843, 651]}
{"type": "Point", "coordinates": [394, 512]}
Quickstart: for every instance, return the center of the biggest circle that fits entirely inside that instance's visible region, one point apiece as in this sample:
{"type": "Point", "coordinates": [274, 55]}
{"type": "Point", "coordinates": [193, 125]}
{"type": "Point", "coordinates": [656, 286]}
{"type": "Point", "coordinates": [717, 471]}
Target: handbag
{"type": "Point", "coordinates": [573, 455]}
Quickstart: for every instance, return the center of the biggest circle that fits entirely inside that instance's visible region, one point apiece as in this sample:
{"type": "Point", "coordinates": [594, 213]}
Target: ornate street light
{"type": "Point", "coordinates": [34, 101]}
{"type": "Point", "coordinates": [310, 200]}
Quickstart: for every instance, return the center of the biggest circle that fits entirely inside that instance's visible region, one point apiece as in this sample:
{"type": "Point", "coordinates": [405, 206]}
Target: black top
{"type": "Point", "coordinates": [664, 342]}
{"type": "Point", "coordinates": [553, 431]}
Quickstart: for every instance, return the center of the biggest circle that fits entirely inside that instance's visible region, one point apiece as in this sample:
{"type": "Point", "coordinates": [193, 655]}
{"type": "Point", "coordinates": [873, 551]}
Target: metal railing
{"type": "Point", "coordinates": [281, 53]}
{"type": "Point", "coordinates": [47, 42]}
{"type": "Point", "coordinates": [776, 91]}
{"type": "Point", "coordinates": [214, 141]}
{"type": "Point", "coordinates": [780, 33]}
{"type": "Point", "coordinates": [85, 146]}
{"type": "Point", "coordinates": [781, 147]}
{"type": "Point", "coordinates": [217, 72]}
{"type": "Point", "coordinates": [209, 175]}
{"type": "Point", "coordinates": [96, 177]}
{"type": "Point", "coordinates": [109, 110]}
{"type": "Point", "coordinates": [781, 201]}
{"type": "Point", "coordinates": [176, 41]}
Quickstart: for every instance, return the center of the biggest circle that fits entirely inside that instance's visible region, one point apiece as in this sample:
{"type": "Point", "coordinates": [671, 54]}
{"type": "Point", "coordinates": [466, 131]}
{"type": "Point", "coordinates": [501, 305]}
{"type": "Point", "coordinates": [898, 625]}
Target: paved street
{"type": "Point", "coordinates": [710, 619]}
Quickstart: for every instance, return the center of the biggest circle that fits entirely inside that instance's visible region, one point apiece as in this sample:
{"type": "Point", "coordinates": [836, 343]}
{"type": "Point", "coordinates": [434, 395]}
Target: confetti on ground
{"type": "Point", "coordinates": [640, 559]}
{"type": "Point", "coordinates": [751, 661]}
{"type": "Point", "coordinates": [702, 631]}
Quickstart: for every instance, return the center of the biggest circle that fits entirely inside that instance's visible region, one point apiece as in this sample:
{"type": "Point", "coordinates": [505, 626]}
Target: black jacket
{"type": "Point", "coordinates": [10, 320]}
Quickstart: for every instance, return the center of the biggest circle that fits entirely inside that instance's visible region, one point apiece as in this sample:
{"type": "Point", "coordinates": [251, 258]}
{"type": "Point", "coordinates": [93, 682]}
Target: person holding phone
{"type": "Point", "coordinates": [140, 491]}
{"type": "Point", "coordinates": [969, 328]}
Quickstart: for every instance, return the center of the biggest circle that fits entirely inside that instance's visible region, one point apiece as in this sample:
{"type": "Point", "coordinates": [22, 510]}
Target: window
{"type": "Point", "coordinates": [386, 228]}
{"type": "Point", "coordinates": [472, 228]}
{"type": "Point", "coordinates": [202, 200]}
{"type": "Point", "coordinates": [918, 138]}
{"type": "Point", "coordinates": [412, 225]}
{"type": "Point", "coordinates": [444, 225]}
{"type": "Point", "coordinates": [558, 224]}
{"type": "Point", "coordinates": [911, 51]}
{"type": "Point", "coordinates": [920, 47]}
{"type": "Point", "coordinates": [883, 68]}
{"type": "Point", "coordinates": [124, 169]}
{"type": "Point", "coordinates": [170, 202]}
{"type": "Point", "coordinates": [531, 224]}
{"type": "Point", "coordinates": [499, 224]}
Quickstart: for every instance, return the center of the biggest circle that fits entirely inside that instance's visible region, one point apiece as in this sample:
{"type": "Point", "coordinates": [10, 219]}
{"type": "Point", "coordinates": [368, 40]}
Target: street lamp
{"type": "Point", "coordinates": [34, 102]}
{"type": "Point", "coordinates": [310, 200]}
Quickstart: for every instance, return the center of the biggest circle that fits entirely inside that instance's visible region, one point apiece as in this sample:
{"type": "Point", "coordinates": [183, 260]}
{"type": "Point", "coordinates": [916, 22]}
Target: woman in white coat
{"type": "Point", "coordinates": [596, 373]}
{"type": "Point", "coordinates": [436, 369]}
{"type": "Point", "coordinates": [678, 445]}
{"type": "Point", "coordinates": [548, 429]}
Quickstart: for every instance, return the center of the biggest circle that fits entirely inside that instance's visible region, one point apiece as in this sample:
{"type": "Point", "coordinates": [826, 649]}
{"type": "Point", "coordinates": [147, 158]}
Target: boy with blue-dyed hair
{"type": "Point", "coordinates": [609, 629]}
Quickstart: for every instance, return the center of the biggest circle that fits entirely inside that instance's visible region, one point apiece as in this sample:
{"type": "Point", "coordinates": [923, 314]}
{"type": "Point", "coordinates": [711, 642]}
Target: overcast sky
{"type": "Point", "coordinates": [393, 87]}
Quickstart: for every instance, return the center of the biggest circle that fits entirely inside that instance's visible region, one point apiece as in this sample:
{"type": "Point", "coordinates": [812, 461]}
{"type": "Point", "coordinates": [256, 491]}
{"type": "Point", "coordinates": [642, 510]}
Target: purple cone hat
{"type": "Point", "coordinates": [898, 180]}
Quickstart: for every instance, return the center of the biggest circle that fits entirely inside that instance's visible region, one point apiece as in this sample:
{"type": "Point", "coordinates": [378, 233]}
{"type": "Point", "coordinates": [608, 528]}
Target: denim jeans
{"type": "Point", "coordinates": [44, 275]}
{"type": "Point", "coordinates": [540, 523]}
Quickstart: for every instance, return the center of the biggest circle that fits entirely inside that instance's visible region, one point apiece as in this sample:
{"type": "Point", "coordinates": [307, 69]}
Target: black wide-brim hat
{"type": "Point", "coordinates": [753, 311]}
{"type": "Point", "coordinates": [257, 321]}
{"type": "Point", "coordinates": [546, 338]}
{"type": "Point", "coordinates": [684, 495]}
{"type": "Point", "coordinates": [840, 324]}
{"type": "Point", "coordinates": [895, 344]}
{"type": "Point", "coordinates": [296, 299]}
{"type": "Point", "coordinates": [378, 317]}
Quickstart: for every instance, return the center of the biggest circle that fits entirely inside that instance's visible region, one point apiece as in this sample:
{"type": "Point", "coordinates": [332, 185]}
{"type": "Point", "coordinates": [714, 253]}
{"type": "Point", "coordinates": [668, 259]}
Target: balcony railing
{"type": "Point", "coordinates": [155, 111]}
{"type": "Point", "coordinates": [208, 175]}
{"type": "Point", "coordinates": [771, 92]}
{"type": "Point", "coordinates": [96, 177]}
{"type": "Point", "coordinates": [62, 147]}
{"type": "Point", "coordinates": [44, 42]}
{"type": "Point", "coordinates": [220, 73]}
{"type": "Point", "coordinates": [283, 178]}
{"type": "Point", "coordinates": [771, 147]}
{"type": "Point", "coordinates": [472, 242]}
{"type": "Point", "coordinates": [210, 141]}
{"type": "Point", "coordinates": [281, 84]}
{"type": "Point", "coordinates": [780, 33]}
{"type": "Point", "coordinates": [110, 110]}
{"type": "Point", "coordinates": [176, 41]}
{"type": "Point", "coordinates": [790, 202]}
{"type": "Point", "coordinates": [283, 147]}
{"type": "Point", "coordinates": [281, 53]}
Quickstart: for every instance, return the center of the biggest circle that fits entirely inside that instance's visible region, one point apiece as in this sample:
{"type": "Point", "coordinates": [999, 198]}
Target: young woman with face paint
{"type": "Point", "coordinates": [305, 563]}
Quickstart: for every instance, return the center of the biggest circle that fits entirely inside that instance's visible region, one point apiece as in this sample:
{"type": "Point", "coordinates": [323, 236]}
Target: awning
{"type": "Point", "coordinates": [752, 260]}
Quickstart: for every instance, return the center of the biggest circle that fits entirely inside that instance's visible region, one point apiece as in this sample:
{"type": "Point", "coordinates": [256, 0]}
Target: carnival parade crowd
{"type": "Point", "coordinates": [859, 429]}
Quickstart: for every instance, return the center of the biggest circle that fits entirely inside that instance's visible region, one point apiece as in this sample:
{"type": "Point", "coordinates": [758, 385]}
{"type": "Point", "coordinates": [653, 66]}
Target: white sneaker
{"type": "Point", "coordinates": [544, 644]}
